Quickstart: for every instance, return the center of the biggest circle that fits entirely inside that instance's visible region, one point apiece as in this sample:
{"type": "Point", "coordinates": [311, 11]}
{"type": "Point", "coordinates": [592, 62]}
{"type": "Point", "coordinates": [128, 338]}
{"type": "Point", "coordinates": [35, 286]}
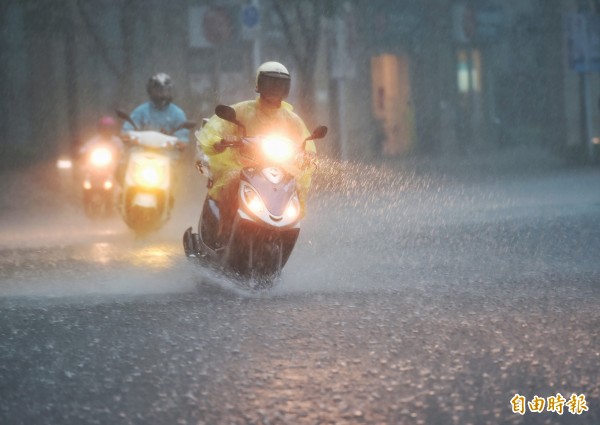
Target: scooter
{"type": "Point", "coordinates": [146, 197]}
{"type": "Point", "coordinates": [98, 181]}
{"type": "Point", "coordinates": [266, 223]}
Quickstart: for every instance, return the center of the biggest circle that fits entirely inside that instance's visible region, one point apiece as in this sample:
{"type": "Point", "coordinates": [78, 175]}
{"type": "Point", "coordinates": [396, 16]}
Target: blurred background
{"type": "Point", "coordinates": [390, 78]}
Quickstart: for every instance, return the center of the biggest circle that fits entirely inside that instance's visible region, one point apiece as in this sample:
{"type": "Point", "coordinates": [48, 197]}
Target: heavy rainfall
{"type": "Point", "coordinates": [447, 270]}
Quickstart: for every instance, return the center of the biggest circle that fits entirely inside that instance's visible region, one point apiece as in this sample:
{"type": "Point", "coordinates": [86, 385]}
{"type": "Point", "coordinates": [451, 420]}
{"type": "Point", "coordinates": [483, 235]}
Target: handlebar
{"type": "Point", "coordinates": [180, 146]}
{"type": "Point", "coordinates": [303, 159]}
{"type": "Point", "coordinates": [132, 141]}
{"type": "Point", "coordinates": [224, 144]}
{"type": "Point", "coordinates": [128, 140]}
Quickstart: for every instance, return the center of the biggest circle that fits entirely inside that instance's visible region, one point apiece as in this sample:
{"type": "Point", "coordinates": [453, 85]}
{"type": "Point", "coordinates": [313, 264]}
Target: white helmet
{"type": "Point", "coordinates": [273, 79]}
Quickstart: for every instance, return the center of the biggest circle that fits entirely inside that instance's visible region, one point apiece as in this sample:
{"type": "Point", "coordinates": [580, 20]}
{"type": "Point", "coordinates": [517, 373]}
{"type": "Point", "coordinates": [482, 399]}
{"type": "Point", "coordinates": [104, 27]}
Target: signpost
{"type": "Point", "coordinates": [250, 18]}
{"type": "Point", "coordinates": [583, 42]}
{"type": "Point", "coordinates": [583, 50]}
{"type": "Point", "coordinates": [482, 24]}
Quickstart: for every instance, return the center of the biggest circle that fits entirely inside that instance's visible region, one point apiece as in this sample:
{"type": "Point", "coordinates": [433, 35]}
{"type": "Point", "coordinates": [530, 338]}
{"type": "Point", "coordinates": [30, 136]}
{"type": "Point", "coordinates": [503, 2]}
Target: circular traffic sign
{"type": "Point", "coordinates": [250, 16]}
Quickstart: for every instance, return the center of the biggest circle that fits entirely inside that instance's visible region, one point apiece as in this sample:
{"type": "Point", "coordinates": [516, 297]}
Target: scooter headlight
{"type": "Point", "coordinates": [149, 174]}
{"type": "Point", "coordinates": [252, 200]}
{"type": "Point", "coordinates": [292, 211]}
{"type": "Point", "coordinates": [278, 148]}
{"type": "Point", "coordinates": [64, 164]}
{"type": "Point", "coordinates": [100, 157]}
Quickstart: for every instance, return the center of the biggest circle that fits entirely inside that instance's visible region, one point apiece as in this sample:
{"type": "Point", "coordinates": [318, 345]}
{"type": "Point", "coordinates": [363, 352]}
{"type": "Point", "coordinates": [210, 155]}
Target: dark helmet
{"type": "Point", "coordinates": [273, 79]}
{"type": "Point", "coordinates": [159, 88]}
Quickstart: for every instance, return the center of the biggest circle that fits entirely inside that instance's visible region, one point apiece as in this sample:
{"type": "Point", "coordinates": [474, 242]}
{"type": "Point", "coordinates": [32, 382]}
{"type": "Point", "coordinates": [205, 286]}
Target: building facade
{"type": "Point", "coordinates": [390, 78]}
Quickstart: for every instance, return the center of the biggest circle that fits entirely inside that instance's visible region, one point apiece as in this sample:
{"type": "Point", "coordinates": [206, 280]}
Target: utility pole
{"type": "Point", "coordinates": [340, 36]}
{"type": "Point", "coordinates": [587, 101]}
{"type": "Point", "coordinates": [585, 9]}
{"type": "Point", "coordinates": [256, 45]}
{"type": "Point", "coordinates": [342, 69]}
{"type": "Point", "coordinates": [71, 74]}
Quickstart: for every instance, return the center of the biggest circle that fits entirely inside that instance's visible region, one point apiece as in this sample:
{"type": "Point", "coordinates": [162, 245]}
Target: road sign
{"type": "Point", "coordinates": [583, 42]}
{"type": "Point", "coordinates": [250, 16]}
{"type": "Point", "coordinates": [481, 24]}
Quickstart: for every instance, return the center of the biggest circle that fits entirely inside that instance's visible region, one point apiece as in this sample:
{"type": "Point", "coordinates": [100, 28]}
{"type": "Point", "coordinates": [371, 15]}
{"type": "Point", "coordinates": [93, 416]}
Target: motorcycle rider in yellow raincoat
{"type": "Point", "coordinates": [268, 113]}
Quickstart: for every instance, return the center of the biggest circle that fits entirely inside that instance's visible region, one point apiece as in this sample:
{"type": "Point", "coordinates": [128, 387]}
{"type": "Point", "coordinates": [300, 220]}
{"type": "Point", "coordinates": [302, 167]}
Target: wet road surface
{"type": "Point", "coordinates": [412, 299]}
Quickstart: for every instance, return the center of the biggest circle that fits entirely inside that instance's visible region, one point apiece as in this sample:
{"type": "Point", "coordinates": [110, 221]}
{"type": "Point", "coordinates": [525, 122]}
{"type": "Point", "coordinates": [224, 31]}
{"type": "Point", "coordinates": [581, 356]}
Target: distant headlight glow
{"type": "Point", "coordinates": [64, 164]}
{"type": "Point", "coordinates": [149, 174]}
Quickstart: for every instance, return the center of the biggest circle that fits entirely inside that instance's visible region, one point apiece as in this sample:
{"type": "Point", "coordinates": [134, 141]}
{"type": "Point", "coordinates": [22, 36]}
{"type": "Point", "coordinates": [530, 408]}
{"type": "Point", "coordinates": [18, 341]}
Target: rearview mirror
{"type": "Point", "coordinates": [227, 113]}
{"type": "Point", "coordinates": [189, 125]}
{"type": "Point", "coordinates": [186, 124]}
{"type": "Point", "coordinates": [125, 117]}
{"type": "Point", "coordinates": [122, 114]}
{"type": "Point", "coordinates": [318, 133]}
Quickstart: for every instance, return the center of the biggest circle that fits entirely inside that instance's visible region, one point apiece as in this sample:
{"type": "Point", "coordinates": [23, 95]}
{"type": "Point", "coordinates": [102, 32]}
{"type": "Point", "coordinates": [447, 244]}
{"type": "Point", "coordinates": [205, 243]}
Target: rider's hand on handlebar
{"type": "Point", "coordinates": [219, 147]}
{"type": "Point", "coordinates": [225, 142]}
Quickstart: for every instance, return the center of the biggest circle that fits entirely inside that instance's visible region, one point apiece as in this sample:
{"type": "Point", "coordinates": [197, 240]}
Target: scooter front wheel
{"type": "Point", "coordinates": [266, 256]}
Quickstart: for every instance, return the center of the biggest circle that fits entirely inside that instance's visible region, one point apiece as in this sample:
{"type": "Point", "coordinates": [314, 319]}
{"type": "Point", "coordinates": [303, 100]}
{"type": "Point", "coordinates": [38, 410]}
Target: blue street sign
{"type": "Point", "coordinates": [583, 42]}
{"type": "Point", "coordinates": [250, 16]}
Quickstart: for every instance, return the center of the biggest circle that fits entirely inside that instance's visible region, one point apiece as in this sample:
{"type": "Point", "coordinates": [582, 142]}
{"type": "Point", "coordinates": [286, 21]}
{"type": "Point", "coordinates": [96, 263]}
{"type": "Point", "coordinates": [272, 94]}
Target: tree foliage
{"type": "Point", "coordinates": [301, 25]}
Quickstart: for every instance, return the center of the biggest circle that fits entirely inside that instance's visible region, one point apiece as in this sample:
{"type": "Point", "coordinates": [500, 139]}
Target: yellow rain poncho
{"type": "Point", "coordinates": [259, 119]}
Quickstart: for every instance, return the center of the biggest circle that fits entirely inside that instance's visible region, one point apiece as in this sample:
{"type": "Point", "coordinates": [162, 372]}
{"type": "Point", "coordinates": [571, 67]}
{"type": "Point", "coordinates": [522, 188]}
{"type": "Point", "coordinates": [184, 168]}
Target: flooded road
{"type": "Point", "coordinates": [411, 297]}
